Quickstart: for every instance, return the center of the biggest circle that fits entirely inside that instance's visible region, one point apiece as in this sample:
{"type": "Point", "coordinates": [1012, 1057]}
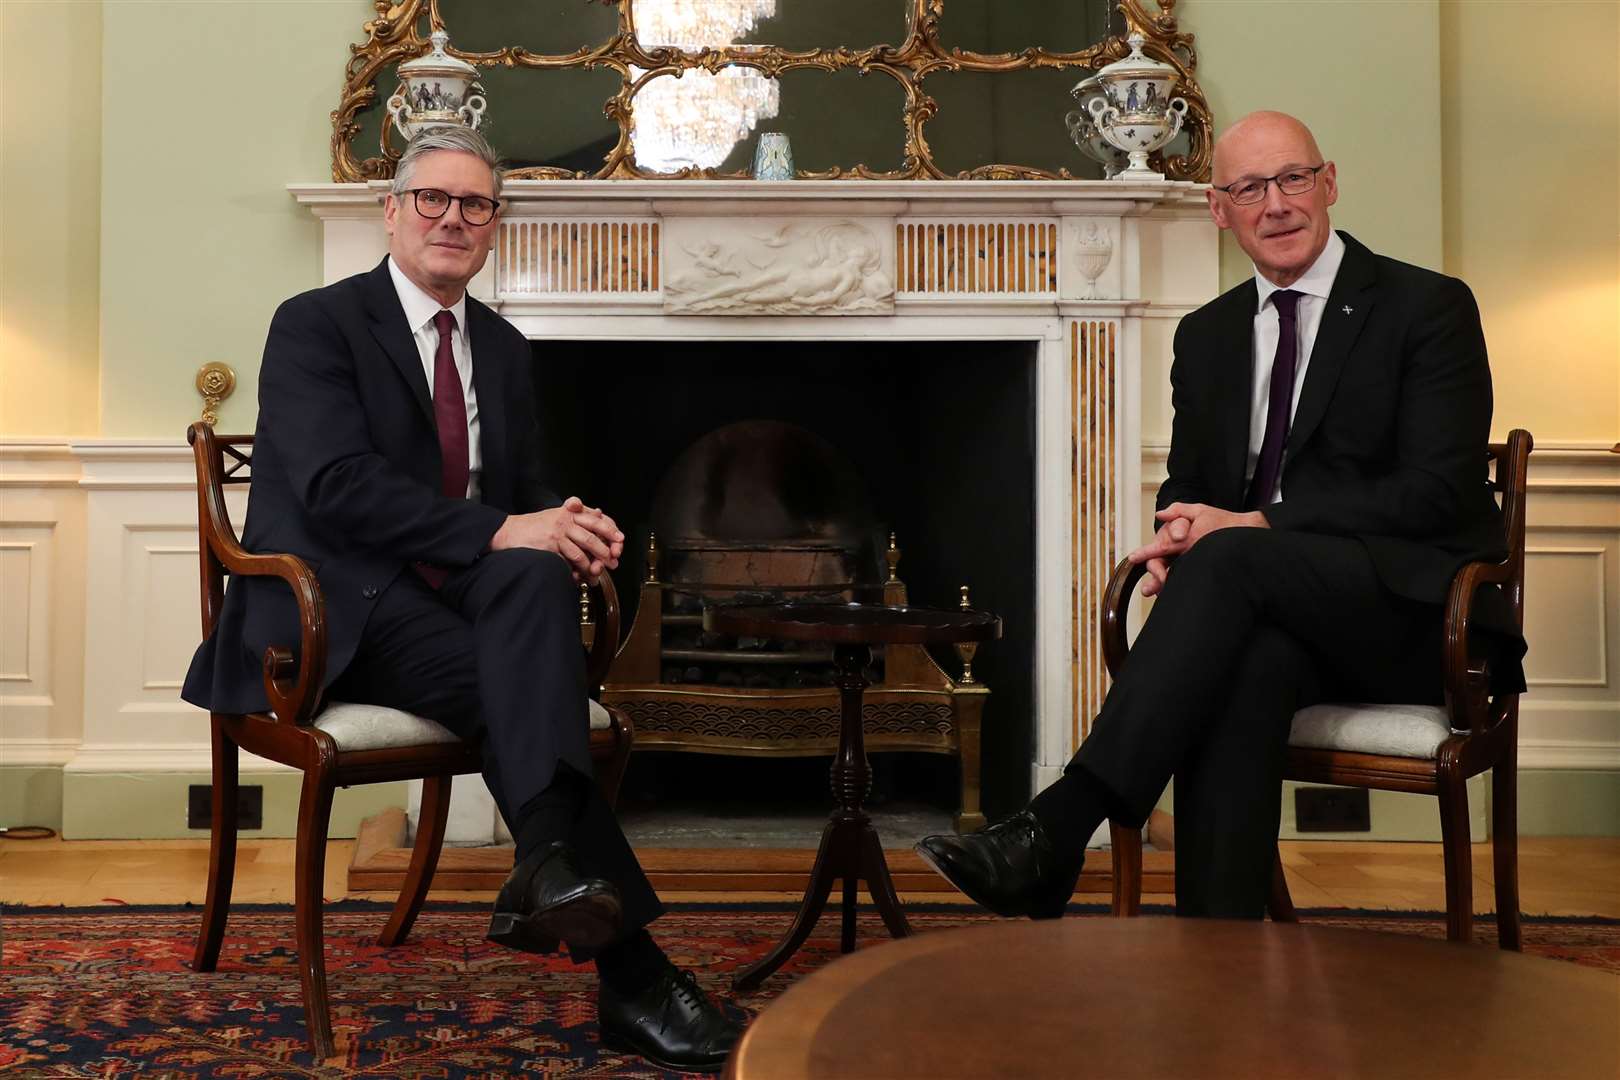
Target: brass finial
{"type": "Point", "coordinates": [892, 557]}
{"type": "Point", "coordinates": [584, 604]}
{"type": "Point", "coordinates": [215, 382]}
{"type": "Point", "coordinates": [652, 558]}
{"type": "Point", "coordinates": [966, 649]}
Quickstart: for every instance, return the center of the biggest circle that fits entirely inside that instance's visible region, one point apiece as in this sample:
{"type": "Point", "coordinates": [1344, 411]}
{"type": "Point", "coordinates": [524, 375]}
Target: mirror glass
{"type": "Point", "coordinates": [833, 119]}
{"type": "Point", "coordinates": [797, 25]}
{"type": "Point", "coordinates": [545, 27]}
{"type": "Point", "coordinates": [1005, 118]}
{"type": "Point", "coordinates": [1011, 26]}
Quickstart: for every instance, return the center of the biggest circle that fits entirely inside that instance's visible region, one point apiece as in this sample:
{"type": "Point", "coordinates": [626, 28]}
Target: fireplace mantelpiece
{"type": "Point", "coordinates": [1096, 273]}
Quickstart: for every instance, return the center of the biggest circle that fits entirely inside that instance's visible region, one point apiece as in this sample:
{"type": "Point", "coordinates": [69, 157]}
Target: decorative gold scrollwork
{"type": "Point", "coordinates": [398, 33]}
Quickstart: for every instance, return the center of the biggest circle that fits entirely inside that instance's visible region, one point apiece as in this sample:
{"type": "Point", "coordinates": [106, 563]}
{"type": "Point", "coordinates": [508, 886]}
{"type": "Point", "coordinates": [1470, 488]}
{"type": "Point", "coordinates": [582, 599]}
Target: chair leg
{"type": "Point", "coordinates": [221, 850]}
{"type": "Point", "coordinates": [1126, 846]}
{"type": "Point", "coordinates": [1454, 838]}
{"type": "Point", "coordinates": [610, 774]}
{"type": "Point", "coordinates": [1505, 843]}
{"type": "Point", "coordinates": [314, 812]}
{"type": "Point", "coordinates": [430, 826]}
{"type": "Point", "coordinates": [1280, 904]}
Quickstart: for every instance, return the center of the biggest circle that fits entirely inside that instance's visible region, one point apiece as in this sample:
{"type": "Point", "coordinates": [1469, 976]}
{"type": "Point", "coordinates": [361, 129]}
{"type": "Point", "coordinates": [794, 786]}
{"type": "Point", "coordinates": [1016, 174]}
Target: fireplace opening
{"type": "Point", "coordinates": [931, 442]}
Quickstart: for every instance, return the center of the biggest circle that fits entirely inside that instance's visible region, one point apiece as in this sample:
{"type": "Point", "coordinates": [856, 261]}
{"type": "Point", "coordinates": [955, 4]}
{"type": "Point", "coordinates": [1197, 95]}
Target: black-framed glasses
{"type": "Point", "coordinates": [1248, 191]}
{"type": "Point", "coordinates": [432, 203]}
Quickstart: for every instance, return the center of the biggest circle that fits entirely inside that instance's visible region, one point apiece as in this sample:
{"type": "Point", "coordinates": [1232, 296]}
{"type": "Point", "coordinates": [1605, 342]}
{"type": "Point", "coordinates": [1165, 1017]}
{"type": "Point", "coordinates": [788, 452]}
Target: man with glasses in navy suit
{"type": "Point", "coordinates": [1326, 479]}
{"type": "Point", "coordinates": [397, 452]}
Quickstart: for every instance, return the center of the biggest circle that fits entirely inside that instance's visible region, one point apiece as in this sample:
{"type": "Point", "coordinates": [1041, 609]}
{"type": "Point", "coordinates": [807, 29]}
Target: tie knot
{"type": "Point", "coordinates": [445, 320]}
{"type": "Point", "coordinates": [1285, 301]}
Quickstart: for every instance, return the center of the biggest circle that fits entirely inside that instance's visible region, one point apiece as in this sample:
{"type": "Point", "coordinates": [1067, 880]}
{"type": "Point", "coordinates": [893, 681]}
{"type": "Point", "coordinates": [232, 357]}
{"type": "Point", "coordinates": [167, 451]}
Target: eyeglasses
{"type": "Point", "coordinates": [432, 203]}
{"type": "Point", "coordinates": [1249, 191]}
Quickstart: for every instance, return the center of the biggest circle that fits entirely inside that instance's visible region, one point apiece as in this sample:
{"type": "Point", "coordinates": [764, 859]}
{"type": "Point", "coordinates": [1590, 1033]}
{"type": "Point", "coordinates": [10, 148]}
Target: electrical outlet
{"type": "Point", "coordinates": [249, 806]}
{"type": "Point", "coordinates": [1332, 809]}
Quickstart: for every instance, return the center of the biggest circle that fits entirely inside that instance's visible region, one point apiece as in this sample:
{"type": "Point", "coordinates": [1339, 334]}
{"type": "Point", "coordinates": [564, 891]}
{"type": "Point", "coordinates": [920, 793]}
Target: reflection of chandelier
{"type": "Point", "coordinates": [696, 119]}
{"type": "Point", "coordinates": [697, 24]}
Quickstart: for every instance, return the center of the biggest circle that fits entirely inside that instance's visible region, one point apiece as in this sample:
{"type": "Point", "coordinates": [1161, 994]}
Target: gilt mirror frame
{"type": "Point", "coordinates": [400, 32]}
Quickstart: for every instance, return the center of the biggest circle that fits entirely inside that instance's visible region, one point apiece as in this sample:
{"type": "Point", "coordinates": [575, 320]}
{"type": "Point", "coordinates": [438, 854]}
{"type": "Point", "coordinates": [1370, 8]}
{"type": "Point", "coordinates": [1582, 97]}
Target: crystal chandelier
{"type": "Point", "coordinates": [696, 119]}
{"type": "Point", "coordinates": [691, 25]}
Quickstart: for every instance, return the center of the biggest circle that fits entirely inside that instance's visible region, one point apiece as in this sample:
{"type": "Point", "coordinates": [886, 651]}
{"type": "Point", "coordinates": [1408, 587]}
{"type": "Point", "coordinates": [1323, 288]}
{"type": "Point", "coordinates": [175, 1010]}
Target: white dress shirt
{"type": "Point", "coordinates": [420, 308]}
{"type": "Point", "coordinates": [1313, 288]}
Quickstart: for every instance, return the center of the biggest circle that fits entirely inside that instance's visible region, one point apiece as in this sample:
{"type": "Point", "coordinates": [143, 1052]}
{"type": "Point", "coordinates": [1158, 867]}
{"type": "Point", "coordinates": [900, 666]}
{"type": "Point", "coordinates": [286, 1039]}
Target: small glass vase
{"type": "Point", "coordinates": [773, 157]}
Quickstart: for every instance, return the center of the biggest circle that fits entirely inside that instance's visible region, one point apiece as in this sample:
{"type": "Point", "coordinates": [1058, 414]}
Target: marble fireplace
{"type": "Point", "coordinates": [1091, 275]}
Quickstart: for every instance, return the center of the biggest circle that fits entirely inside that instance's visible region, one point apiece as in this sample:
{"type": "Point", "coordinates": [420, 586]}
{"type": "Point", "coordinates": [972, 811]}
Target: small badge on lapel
{"type": "Point", "coordinates": [1348, 309]}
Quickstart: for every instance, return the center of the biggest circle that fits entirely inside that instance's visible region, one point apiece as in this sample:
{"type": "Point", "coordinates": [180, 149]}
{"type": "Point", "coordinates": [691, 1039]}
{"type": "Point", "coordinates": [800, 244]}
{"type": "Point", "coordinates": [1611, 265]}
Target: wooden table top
{"type": "Point", "coordinates": [854, 624]}
{"type": "Point", "coordinates": [1185, 998]}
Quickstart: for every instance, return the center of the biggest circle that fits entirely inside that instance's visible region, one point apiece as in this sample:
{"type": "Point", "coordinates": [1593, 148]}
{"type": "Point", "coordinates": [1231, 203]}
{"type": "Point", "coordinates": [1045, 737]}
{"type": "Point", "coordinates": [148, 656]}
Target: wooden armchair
{"type": "Point", "coordinates": [1431, 750]}
{"type": "Point", "coordinates": [344, 744]}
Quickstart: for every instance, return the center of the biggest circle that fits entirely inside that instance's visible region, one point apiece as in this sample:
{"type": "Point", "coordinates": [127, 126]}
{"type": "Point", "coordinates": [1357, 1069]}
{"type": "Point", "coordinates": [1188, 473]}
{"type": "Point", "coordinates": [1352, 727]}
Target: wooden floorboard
{"type": "Point", "coordinates": [1558, 876]}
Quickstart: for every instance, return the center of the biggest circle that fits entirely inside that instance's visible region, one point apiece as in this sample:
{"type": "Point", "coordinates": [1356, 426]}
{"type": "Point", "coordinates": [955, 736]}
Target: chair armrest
{"type": "Point", "coordinates": [1467, 677]}
{"type": "Point", "coordinates": [293, 688]}
{"type": "Point", "coordinates": [605, 641]}
{"type": "Point", "coordinates": [1116, 604]}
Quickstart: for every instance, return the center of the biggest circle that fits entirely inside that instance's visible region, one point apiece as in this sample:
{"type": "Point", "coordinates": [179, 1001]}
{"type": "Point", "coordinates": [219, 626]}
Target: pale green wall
{"type": "Point", "coordinates": [1365, 77]}
{"type": "Point", "coordinates": [208, 111]}
{"type": "Point", "coordinates": [1533, 226]}
{"type": "Point", "coordinates": [50, 190]}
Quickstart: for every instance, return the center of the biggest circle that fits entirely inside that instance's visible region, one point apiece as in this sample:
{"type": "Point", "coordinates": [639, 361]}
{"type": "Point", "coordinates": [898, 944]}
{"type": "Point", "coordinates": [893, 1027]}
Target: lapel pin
{"type": "Point", "coordinates": [1348, 309]}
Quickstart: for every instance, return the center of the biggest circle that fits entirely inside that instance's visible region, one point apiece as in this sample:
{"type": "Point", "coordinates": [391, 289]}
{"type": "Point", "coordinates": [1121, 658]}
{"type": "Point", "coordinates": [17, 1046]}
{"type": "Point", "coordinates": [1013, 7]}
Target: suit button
{"type": "Point", "coordinates": [369, 592]}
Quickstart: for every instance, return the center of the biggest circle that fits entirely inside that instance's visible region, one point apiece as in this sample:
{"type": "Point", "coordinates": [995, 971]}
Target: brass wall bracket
{"type": "Point", "coordinates": [215, 382]}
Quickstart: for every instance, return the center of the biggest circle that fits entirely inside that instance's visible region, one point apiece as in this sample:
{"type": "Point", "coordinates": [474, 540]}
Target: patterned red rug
{"type": "Point", "coordinates": [106, 992]}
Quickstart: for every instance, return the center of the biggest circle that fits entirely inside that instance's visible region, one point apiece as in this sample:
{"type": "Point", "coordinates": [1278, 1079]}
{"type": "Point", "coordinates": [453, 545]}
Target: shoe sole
{"type": "Point", "coordinates": [588, 923]}
{"type": "Point", "coordinates": [972, 894]}
{"type": "Point", "coordinates": [619, 1044]}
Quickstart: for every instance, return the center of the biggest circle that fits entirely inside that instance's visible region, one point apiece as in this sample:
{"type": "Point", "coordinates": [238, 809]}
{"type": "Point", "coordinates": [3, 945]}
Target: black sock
{"type": "Point", "coordinates": [630, 966]}
{"type": "Point", "coordinates": [549, 815]}
{"type": "Point", "coordinates": [1071, 809]}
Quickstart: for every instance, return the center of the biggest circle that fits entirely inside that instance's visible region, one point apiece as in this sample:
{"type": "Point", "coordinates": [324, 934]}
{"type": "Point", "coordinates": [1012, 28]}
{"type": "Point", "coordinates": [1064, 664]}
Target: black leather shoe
{"type": "Point", "coordinates": [545, 900]}
{"type": "Point", "coordinates": [672, 1024]}
{"type": "Point", "coordinates": [1010, 867]}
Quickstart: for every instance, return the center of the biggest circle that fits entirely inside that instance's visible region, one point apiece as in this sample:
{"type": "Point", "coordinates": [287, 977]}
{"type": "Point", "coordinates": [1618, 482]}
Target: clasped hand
{"type": "Point", "coordinates": [586, 538]}
{"type": "Point", "coordinates": [1184, 524]}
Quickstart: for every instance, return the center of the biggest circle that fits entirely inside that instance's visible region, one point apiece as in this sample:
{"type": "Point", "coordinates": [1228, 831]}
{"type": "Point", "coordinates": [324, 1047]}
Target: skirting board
{"type": "Point", "coordinates": [381, 858]}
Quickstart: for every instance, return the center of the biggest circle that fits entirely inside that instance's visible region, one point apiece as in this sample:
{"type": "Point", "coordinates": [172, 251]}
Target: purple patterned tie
{"type": "Point", "coordinates": [1279, 411]}
{"type": "Point", "coordinates": [450, 411]}
{"type": "Point", "coordinates": [450, 417]}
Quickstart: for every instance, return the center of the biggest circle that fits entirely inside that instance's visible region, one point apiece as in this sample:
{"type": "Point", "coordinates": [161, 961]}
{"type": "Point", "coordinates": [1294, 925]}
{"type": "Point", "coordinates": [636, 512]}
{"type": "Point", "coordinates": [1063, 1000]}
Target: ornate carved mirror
{"type": "Point", "coordinates": [680, 89]}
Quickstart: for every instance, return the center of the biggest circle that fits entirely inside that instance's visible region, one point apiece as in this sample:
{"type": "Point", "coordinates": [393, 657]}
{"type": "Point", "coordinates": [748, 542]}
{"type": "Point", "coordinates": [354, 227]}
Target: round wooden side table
{"type": "Point", "coordinates": [1161, 997]}
{"type": "Point", "coordinates": [850, 850]}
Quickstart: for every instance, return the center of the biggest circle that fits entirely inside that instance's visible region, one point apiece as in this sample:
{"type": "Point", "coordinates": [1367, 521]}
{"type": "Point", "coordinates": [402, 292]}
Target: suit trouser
{"type": "Point", "coordinates": [495, 655]}
{"type": "Point", "coordinates": [1252, 625]}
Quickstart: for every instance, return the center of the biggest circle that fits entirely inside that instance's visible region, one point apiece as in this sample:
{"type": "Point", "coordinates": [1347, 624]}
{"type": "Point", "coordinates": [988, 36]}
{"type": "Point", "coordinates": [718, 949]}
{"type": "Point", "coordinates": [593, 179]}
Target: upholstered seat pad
{"type": "Point", "coordinates": [376, 727]}
{"type": "Point", "coordinates": [1409, 731]}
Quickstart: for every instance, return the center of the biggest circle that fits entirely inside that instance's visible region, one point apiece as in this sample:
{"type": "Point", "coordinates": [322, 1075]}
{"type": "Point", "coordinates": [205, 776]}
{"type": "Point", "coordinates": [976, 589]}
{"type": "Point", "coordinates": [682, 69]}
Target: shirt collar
{"type": "Point", "coordinates": [1317, 281]}
{"type": "Point", "coordinates": [419, 306]}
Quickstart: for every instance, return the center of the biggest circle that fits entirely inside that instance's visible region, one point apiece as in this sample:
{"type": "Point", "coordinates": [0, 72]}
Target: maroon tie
{"type": "Point", "coordinates": [450, 411]}
{"type": "Point", "coordinates": [1279, 410]}
{"type": "Point", "coordinates": [450, 417]}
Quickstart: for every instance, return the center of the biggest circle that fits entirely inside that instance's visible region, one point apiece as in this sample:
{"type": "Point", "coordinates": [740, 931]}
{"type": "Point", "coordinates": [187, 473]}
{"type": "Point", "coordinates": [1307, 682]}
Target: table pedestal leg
{"type": "Point", "coordinates": [850, 850]}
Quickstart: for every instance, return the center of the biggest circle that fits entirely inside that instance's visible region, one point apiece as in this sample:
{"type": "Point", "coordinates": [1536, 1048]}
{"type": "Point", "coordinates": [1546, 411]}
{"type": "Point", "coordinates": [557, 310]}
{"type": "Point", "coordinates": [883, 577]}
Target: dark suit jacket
{"type": "Point", "coordinates": [346, 473]}
{"type": "Point", "coordinates": [1388, 439]}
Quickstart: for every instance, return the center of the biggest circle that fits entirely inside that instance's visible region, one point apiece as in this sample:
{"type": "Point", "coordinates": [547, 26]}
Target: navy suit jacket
{"type": "Point", "coordinates": [346, 473]}
{"type": "Point", "coordinates": [1388, 439]}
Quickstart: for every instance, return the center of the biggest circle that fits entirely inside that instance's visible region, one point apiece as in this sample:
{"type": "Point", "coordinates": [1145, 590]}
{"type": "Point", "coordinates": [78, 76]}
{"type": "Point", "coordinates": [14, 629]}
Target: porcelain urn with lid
{"type": "Point", "coordinates": [434, 89]}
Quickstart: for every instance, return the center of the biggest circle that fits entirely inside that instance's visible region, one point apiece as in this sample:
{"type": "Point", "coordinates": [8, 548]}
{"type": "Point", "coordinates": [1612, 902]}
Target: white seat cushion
{"type": "Point", "coordinates": [376, 727]}
{"type": "Point", "coordinates": [1409, 731]}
